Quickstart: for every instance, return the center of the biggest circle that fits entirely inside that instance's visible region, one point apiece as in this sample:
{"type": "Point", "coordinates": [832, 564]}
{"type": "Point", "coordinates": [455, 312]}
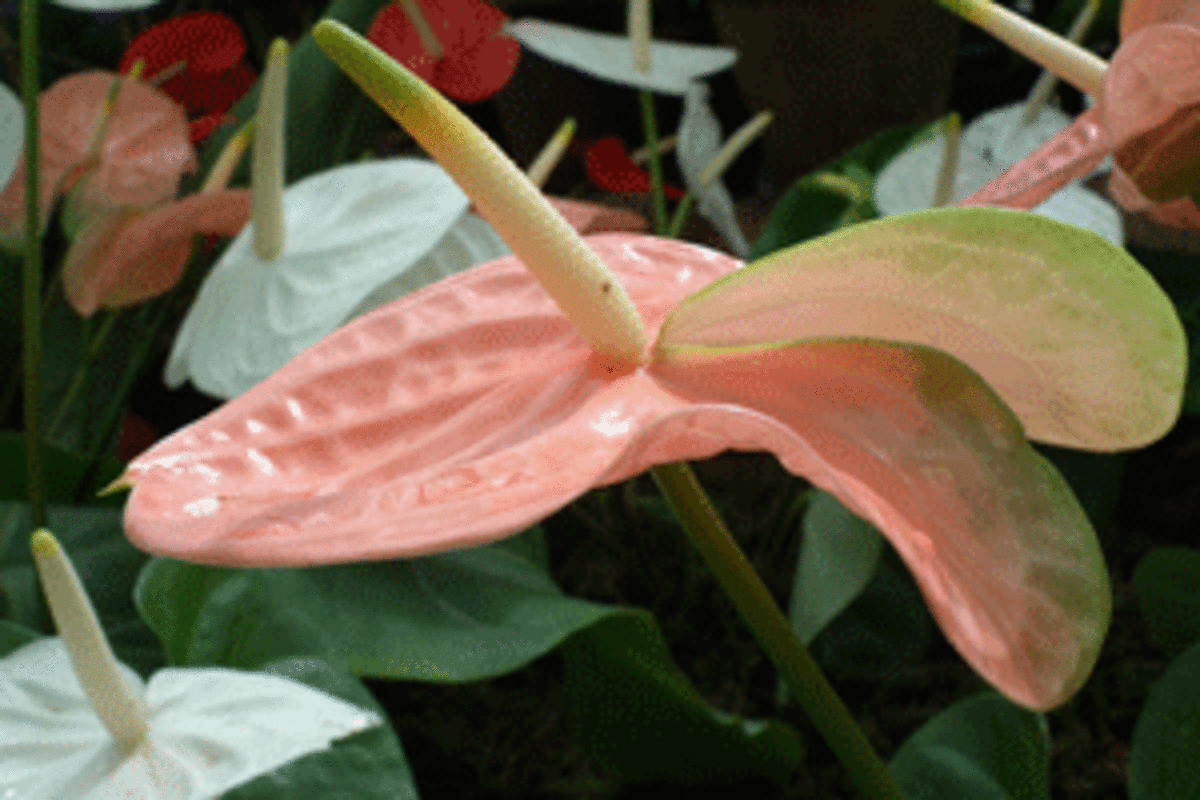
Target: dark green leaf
{"type": "Point", "coordinates": [981, 747]}
{"type": "Point", "coordinates": [1168, 588]}
{"type": "Point", "coordinates": [1164, 760]}
{"type": "Point", "coordinates": [838, 556]}
{"type": "Point", "coordinates": [106, 562]}
{"type": "Point", "coordinates": [636, 713]}
{"type": "Point", "coordinates": [63, 471]}
{"type": "Point", "coordinates": [13, 636]}
{"type": "Point", "coordinates": [367, 766]}
{"type": "Point", "coordinates": [455, 617]}
{"type": "Point", "coordinates": [832, 197]}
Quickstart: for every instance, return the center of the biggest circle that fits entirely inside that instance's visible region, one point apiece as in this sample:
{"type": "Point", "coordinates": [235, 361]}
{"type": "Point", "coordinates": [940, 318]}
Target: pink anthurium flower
{"type": "Point", "coordinates": [145, 152]}
{"type": "Point", "coordinates": [1146, 118]}
{"type": "Point", "coordinates": [126, 255]}
{"type": "Point", "coordinates": [477, 58]}
{"type": "Point", "coordinates": [471, 409]}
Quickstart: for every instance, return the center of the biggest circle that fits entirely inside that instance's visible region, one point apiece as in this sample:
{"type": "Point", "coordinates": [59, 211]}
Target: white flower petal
{"type": "Point", "coordinates": [699, 142]}
{"type": "Point", "coordinates": [907, 184]}
{"type": "Point", "coordinates": [997, 135]}
{"type": "Point", "coordinates": [350, 230]}
{"type": "Point", "coordinates": [1078, 206]}
{"type": "Point", "coordinates": [12, 133]}
{"type": "Point", "coordinates": [106, 5]}
{"type": "Point", "coordinates": [469, 243]}
{"type": "Point", "coordinates": [210, 731]}
{"type": "Point", "coordinates": [609, 57]}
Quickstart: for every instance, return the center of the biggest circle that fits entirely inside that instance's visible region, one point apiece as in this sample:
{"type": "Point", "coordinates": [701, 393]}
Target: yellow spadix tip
{"type": "Point", "coordinates": [43, 543]}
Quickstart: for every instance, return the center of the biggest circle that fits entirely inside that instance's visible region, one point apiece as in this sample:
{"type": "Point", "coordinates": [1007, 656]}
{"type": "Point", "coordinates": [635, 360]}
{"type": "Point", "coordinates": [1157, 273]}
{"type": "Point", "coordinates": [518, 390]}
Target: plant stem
{"type": "Point", "coordinates": [658, 200]}
{"type": "Point", "coordinates": [681, 214]}
{"type": "Point", "coordinates": [708, 532]}
{"type": "Point", "coordinates": [31, 303]}
{"type": "Point", "coordinates": [91, 348]}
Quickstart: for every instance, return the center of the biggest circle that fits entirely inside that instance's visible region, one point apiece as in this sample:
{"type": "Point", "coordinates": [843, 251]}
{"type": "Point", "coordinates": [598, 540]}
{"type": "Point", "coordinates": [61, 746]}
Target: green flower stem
{"type": "Point", "coordinates": [91, 345]}
{"type": "Point", "coordinates": [681, 214]}
{"type": "Point", "coordinates": [31, 303]}
{"type": "Point", "coordinates": [658, 200]}
{"type": "Point", "coordinates": [771, 630]}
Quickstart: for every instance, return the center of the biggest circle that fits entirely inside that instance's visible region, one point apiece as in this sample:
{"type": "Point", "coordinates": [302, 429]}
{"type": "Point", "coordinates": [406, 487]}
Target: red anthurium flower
{"type": "Point", "coordinates": [146, 150]}
{"type": "Point", "coordinates": [202, 52]}
{"type": "Point", "coordinates": [1147, 117]}
{"type": "Point", "coordinates": [610, 168]}
{"type": "Point", "coordinates": [478, 58]}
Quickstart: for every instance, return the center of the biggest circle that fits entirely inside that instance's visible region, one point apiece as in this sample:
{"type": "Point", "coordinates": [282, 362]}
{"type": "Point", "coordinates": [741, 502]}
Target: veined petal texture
{"type": "Point", "coordinates": [1072, 332]}
{"type": "Point", "coordinates": [349, 230]}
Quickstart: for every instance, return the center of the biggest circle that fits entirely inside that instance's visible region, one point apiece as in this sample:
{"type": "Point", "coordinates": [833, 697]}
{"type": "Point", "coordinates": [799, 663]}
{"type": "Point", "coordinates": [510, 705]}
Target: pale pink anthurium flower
{"type": "Point", "coordinates": [1145, 117]}
{"type": "Point", "coordinates": [471, 409]}
{"type": "Point", "coordinates": [145, 151]}
{"type": "Point", "coordinates": [76, 723]}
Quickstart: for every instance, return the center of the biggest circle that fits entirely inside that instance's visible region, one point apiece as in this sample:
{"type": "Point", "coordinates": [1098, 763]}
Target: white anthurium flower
{"type": "Point", "coordinates": [1000, 135]}
{"type": "Point", "coordinates": [12, 132]}
{"type": "Point", "coordinates": [75, 723]}
{"type": "Point", "coordinates": [609, 57]}
{"type": "Point", "coordinates": [106, 5]}
{"type": "Point", "coordinates": [349, 232]}
{"type": "Point", "coordinates": [908, 182]}
{"type": "Point", "coordinates": [699, 141]}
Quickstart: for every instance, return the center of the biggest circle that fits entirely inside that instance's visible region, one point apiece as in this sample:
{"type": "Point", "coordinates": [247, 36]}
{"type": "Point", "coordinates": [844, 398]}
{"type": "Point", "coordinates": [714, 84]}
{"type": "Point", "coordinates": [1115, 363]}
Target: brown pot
{"type": "Point", "coordinates": [836, 72]}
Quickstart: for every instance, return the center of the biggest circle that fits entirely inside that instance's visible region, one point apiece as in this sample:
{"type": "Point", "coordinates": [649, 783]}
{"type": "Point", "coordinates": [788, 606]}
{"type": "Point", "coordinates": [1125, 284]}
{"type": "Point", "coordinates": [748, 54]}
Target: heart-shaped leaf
{"type": "Point", "coordinates": [981, 748]}
{"type": "Point", "coordinates": [1162, 757]}
{"type": "Point", "coordinates": [838, 556]}
{"type": "Point", "coordinates": [456, 617]}
{"type": "Point", "coordinates": [637, 714]}
{"type": "Point", "coordinates": [1096, 364]}
{"type": "Point", "coordinates": [1168, 588]}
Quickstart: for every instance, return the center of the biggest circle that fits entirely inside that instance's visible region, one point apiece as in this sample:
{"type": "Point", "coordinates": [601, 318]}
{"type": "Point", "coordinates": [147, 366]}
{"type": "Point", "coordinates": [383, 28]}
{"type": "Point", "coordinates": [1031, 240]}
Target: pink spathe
{"type": "Point", "coordinates": [471, 409]}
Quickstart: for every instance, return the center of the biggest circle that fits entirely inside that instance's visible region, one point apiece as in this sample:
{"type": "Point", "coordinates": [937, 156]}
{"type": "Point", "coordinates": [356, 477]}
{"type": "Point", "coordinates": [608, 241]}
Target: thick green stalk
{"type": "Point", "coordinates": [31, 303]}
{"type": "Point", "coordinates": [658, 201]}
{"type": "Point", "coordinates": [708, 532]}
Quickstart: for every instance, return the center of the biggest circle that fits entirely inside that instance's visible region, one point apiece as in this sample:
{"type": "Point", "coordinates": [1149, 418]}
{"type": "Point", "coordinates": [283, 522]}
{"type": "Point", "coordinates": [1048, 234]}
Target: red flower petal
{"type": "Point", "coordinates": [610, 168]}
{"type": "Point", "coordinates": [478, 61]}
{"type": "Point", "coordinates": [208, 41]}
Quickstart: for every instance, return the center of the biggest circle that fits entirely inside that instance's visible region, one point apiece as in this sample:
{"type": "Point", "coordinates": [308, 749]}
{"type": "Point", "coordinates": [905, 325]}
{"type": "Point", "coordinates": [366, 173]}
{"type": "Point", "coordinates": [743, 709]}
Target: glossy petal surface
{"type": "Point", "coordinates": [467, 411]}
{"type": "Point", "coordinates": [609, 57]}
{"type": "Point", "coordinates": [699, 142]}
{"type": "Point", "coordinates": [479, 59]}
{"type": "Point", "coordinates": [349, 230]}
{"type": "Point", "coordinates": [1075, 336]}
{"type": "Point", "coordinates": [210, 730]}
{"type": "Point", "coordinates": [125, 256]}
